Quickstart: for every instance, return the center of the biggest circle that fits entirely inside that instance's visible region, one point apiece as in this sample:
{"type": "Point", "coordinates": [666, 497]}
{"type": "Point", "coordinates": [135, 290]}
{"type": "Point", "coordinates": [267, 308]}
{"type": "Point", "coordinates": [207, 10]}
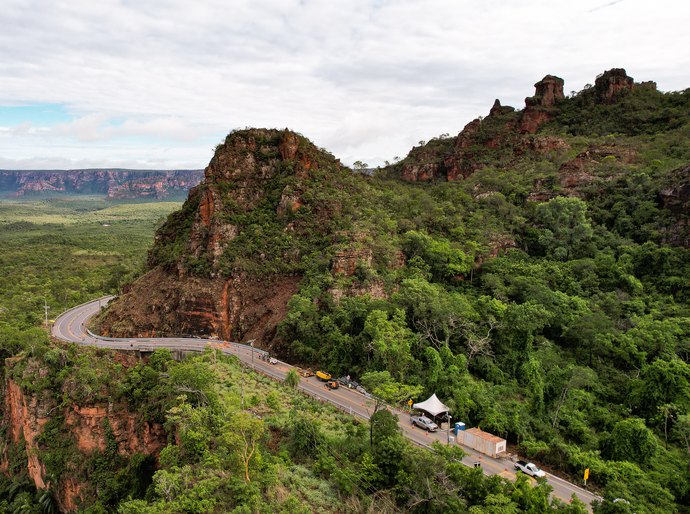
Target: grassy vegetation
{"type": "Point", "coordinates": [309, 457]}
{"type": "Point", "coordinates": [65, 251]}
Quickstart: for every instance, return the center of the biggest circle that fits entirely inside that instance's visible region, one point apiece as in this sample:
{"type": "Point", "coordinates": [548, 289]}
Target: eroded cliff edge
{"type": "Point", "coordinates": [229, 261]}
{"type": "Point", "coordinates": [57, 426]}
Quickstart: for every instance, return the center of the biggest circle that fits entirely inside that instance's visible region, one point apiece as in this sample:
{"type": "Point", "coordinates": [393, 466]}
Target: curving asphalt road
{"type": "Point", "coordinates": [71, 326]}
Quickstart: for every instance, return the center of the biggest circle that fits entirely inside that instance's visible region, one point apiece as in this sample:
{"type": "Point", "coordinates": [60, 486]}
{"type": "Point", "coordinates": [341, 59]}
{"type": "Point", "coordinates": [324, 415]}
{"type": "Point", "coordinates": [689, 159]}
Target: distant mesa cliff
{"type": "Point", "coordinates": [112, 183]}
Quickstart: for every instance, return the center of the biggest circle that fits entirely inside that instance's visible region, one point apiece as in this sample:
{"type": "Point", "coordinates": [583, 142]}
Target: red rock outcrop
{"type": "Point", "coordinates": [582, 170]}
{"type": "Point", "coordinates": [26, 415]}
{"type": "Point", "coordinates": [244, 174]}
{"type": "Point", "coordinates": [539, 108]}
{"type": "Point", "coordinates": [609, 84]}
{"type": "Point", "coordinates": [346, 261]}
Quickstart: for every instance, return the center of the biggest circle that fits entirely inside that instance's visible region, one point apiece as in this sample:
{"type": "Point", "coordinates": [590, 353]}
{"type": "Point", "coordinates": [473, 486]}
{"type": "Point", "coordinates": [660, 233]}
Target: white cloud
{"type": "Point", "coordinates": [365, 78]}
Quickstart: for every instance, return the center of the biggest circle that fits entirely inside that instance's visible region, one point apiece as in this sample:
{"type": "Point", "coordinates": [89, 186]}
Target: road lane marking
{"type": "Point", "coordinates": [354, 402]}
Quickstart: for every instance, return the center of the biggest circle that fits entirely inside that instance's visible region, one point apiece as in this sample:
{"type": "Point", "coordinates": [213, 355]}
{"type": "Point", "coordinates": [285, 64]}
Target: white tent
{"type": "Point", "coordinates": [432, 406]}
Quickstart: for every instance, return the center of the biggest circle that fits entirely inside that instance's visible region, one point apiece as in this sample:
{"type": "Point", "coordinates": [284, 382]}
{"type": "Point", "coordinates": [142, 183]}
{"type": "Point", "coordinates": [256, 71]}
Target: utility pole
{"type": "Point", "coordinates": [45, 307]}
{"type": "Point", "coordinates": [448, 418]}
{"type": "Point", "coordinates": [242, 384]}
{"type": "Point", "coordinates": [251, 344]}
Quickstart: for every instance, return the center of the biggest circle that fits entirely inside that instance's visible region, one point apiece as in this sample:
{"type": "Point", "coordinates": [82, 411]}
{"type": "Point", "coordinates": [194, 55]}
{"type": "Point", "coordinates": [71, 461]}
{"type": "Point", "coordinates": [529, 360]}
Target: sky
{"type": "Point", "coordinates": [155, 84]}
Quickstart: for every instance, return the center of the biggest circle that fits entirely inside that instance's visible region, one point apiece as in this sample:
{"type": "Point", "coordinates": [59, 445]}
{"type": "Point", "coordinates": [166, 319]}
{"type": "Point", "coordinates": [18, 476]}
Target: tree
{"type": "Point", "coordinates": [382, 385]}
{"type": "Point", "coordinates": [478, 343]}
{"type": "Point", "coordinates": [383, 424]}
{"type": "Point", "coordinates": [390, 341]}
{"type": "Point", "coordinates": [292, 379]}
{"type": "Point", "coordinates": [566, 229]}
{"type": "Point", "coordinates": [662, 382]}
{"type": "Point", "coordinates": [447, 261]}
{"type": "Point", "coordinates": [631, 440]}
{"type": "Point", "coordinates": [388, 445]}
{"type": "Point", "coordinates": [682, 433]}
{"type": "Point", "coordinates": [667, 411]}
{"type": "Point", "coordinates": [438, 316]}
{"type": "Point", "coordinates": [241, 436]}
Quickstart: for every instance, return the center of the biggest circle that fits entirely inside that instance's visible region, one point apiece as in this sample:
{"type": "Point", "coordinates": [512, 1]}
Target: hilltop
{"type": "Point", "coordinates": [531, 271]}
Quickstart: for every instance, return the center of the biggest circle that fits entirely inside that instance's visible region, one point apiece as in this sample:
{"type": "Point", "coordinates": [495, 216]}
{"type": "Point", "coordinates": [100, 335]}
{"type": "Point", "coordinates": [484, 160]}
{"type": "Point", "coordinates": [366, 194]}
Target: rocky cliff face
{"type": "Point", "coordinates": [506, 136]}
{"type": "Point", "coordinates": [237, 308]}
{"type": "Point", "coordinates": [25, 416]}
{"type": "Point", "coordinates": [500, 138]}
{"type": "Point", "coordinates": [268, 197]}
{"type": "Point", "coordinates": [675, 196]}
{"type": "Point", "coordinates": [271, 203]}
{"type": "Point", "coordinates": [115, 184]}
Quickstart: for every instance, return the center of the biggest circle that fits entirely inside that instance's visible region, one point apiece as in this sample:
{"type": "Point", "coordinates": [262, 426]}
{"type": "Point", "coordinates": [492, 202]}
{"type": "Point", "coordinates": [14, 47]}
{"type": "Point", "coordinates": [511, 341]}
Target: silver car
{"type": "Point", "coordinates": [425, 423]}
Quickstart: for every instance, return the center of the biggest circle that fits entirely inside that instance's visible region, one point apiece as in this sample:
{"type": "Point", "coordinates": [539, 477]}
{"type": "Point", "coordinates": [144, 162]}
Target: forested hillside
{"type": "Point", "coordinates": [99, 431]}
{"type": "Point", "coordinates": [533, 272]}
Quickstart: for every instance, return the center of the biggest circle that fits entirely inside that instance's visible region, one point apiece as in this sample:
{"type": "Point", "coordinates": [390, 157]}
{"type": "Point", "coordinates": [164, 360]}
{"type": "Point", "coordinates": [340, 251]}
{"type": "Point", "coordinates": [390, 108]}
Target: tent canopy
{"type": "Point", "coordinates": [432, 406]}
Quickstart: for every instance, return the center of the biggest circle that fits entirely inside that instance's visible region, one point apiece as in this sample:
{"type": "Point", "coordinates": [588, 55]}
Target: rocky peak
{"type": "Point", "coordinates": [251, 157]}
{"type": "Point", "coordinates": [547, 92]}
{"type": "Point", "coordinates": [540, 108]}
{"type": "Point", "coordinates": [495, 108]}
{"type": "Point", "coordinates": [498, 110]}
{"type": "Point", "coordinates": [241, 176]}
{"type": "Point", "coordinates": [227, 263]}
{"type": "Point", "coordinates": [609, 84]}
{"type": "Point", "coordinates": [504, 133]}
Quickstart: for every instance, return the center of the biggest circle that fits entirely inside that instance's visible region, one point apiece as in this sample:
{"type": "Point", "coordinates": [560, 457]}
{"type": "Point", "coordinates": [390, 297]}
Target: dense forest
{"type": "Point", "coordinates": [561, 323]}
{"type": "Point", "coordinates": [308, 457]}
{"type": "Point", "coordinates": [544, 296]}
{"type": "Point", "coordinates": [534, 277]}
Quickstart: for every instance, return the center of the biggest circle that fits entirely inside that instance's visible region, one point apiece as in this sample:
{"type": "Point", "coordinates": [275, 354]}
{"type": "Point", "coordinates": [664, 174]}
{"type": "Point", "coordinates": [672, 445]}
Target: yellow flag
{"type": "Point", "coordinates": [586, 473]}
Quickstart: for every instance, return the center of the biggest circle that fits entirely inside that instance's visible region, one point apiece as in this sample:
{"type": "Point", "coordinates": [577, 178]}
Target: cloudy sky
{"type": "Point", "coordinates": [157, 84]}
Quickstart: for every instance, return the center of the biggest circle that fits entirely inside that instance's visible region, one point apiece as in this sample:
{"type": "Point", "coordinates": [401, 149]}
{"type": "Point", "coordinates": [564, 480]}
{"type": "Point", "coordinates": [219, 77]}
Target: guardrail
{"type": "Point", "coordinates": [203, 343]}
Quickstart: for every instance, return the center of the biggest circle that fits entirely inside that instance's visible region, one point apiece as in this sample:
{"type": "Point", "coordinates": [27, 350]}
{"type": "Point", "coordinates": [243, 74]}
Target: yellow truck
{"type": "Point", "coordinates": [323, 376]}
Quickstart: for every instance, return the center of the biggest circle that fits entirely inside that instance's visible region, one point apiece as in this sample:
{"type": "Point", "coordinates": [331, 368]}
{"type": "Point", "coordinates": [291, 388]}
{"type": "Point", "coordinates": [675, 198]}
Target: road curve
{"type": "Point", "coordinates": [71, 326]}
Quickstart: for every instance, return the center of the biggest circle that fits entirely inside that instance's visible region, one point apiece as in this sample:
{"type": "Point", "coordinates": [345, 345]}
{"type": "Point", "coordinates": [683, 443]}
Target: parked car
{"type": "Point", "coordinates": [331, 384]}
{"type": "Point", "coordinates": [529, 469]}
{"type": "Point", "coordinates": [425, 423]}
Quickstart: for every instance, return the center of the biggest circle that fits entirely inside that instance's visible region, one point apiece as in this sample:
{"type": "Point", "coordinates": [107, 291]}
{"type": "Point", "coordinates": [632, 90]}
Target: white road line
{"type": "Point", "coordinates": [355, 405]}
